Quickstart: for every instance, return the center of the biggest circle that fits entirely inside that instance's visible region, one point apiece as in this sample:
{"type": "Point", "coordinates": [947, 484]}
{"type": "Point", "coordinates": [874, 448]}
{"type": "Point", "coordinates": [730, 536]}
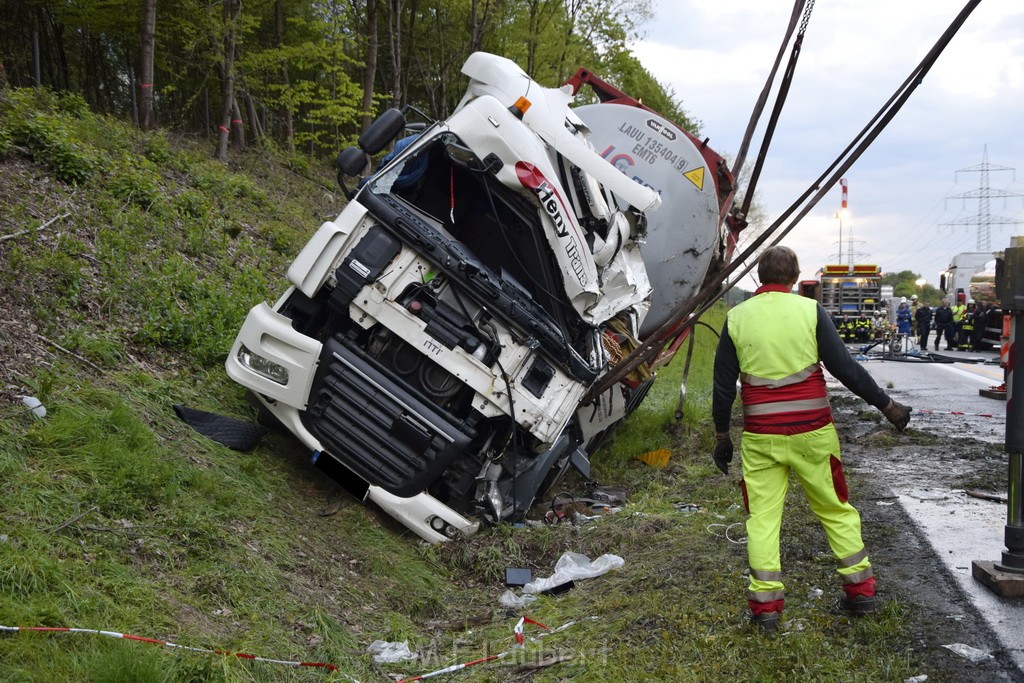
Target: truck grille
{"type": "Point", "coordinates": [377, 426]}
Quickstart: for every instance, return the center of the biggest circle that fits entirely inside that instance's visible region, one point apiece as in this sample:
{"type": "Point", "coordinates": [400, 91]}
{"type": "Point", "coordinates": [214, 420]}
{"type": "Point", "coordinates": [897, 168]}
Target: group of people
{"type": "Point", "coordinates": [962, 324]}
{"type": "Point", "coordinates": [857, 328]}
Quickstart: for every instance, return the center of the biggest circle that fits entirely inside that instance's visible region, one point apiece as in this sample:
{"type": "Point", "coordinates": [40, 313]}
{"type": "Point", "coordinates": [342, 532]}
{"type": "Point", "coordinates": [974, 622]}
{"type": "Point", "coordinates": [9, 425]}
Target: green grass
{"type": "Point", "coordinates": [115, 515]}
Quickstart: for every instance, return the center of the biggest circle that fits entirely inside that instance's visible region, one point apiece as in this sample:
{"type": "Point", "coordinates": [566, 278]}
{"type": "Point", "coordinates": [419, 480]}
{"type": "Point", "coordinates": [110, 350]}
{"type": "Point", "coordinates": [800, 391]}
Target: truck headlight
{"type": "Point", "coordinates": [264, 367]}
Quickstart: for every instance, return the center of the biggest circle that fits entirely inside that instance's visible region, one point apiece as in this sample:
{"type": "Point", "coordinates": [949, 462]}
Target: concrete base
{"type": "Point", "coordinates": [992, 393]}
{"type": "Point", "coordinates": [1002, 583]}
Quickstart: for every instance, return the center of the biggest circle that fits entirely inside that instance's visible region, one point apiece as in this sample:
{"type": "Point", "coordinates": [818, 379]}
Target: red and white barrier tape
{"type": "Point", "coordinates": [165, 643]}
{"type": "Point", "coordinates": [519, 644]}
{"type": "Point", "coordinates": [518, 632]}
{"type": "Point", "coordinates": [925, 411]}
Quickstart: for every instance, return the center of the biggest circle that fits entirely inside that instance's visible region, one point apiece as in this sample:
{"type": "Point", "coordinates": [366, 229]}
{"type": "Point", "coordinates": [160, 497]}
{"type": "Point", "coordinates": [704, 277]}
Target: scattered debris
{"type": "Point", "coordinates": [511, 600]}
{"type": "Point", "coordinates": [916, 679]}
{"type": "Point", "coordinates": [385, 652]}
{"type": "Point", "coordinates": [572, 567]}
{"type": "Point", "coordinates": [687, 507]}
{"type": "Point", "coordinates": [517, 576]}
{"type": "Point", "coordinates": [924, 494]}
{"type": "Point", "coordinates": [727, 528]}
{"type": "Point", "coordinates": [658, 458]}
{"type": "Point", "coordinates": [970, 653]}
{"type": "Point", "coordinates": [235, 434]}
{"type": "Point", "coordinates": [815, 593]}
{"type": "Point", "coordinates": [34, 405]}
{"type": "Point", "coordinates": [987, 495]}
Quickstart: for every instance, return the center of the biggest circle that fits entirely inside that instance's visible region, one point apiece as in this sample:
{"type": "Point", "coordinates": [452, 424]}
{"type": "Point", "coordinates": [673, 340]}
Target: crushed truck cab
{"type": "Point", "coordinates": [438, 336]}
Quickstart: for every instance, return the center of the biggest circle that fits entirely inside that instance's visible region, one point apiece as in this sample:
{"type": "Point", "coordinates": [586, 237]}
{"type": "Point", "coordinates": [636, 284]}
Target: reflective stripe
{"type": "Point", "coordinates": [766, 596]}
{"type": "Point", "coordinates": [852, 559]}
{"type": "Point", "coordinates": [763, 575]}
{"type": "Point", "coordinates": [785, 406]}
{"type": "Point", "coordinates": [799, 376]}
{"type": "Point", "coordinates": [857, 577]}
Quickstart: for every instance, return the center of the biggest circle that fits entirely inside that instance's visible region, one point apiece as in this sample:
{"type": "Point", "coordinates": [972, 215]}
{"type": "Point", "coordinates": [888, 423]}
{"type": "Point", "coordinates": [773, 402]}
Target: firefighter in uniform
{"type": "Point", "coordinates": [775, 343]}
{"type": "Point", "coordinates": [959, 313]}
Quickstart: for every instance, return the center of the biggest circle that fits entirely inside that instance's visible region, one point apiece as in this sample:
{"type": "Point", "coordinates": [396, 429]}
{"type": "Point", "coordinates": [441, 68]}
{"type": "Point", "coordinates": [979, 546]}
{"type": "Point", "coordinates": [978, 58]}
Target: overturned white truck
{"type": "Point", "coordinates": [438, 336]}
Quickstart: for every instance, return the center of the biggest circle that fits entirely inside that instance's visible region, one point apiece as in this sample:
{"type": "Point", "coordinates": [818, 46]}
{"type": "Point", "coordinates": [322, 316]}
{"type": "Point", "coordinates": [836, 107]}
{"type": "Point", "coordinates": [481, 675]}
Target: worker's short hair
{"type": "Point", "coordinates": [778, 266]}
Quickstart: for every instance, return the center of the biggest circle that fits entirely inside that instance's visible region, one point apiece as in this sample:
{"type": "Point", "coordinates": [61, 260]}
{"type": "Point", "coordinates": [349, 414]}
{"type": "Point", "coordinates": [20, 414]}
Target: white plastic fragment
{"type": "Point", "coordinates": [970, 653]}
{"type": "Point", "coordinates": [34, 404]}
{"type": "Point", "coordinates": [574, 566]}
{"type": "Point", "coordinates": [923, 494]}
{"type": "Point", "coordinates": [815, 593]}
{"type": "Point", "coordinates": [385, 652]}
{"type": "Point", "coordinates": [510, 599]}
{"type": "Point", "coordinates": [916, 679]}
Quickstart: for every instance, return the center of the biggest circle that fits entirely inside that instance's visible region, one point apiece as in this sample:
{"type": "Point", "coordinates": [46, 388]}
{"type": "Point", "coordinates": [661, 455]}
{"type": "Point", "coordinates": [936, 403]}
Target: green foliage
{"type": "Point", "coordinates": [134, 184]}
{"type": "Point", "coordinates": [157, 148]}
{"type": "Point", "coordinates": [6, 141]}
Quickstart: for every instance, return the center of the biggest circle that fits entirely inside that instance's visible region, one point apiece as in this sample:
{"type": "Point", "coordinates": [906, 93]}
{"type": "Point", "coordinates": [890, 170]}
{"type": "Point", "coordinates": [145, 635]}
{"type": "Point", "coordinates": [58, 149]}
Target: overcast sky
{"type": "Point", "coordinates": [716, 54]}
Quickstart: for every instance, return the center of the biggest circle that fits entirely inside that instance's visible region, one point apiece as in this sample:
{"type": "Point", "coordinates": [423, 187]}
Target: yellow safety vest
{"type": "Point", "coordinates": [782, 384]}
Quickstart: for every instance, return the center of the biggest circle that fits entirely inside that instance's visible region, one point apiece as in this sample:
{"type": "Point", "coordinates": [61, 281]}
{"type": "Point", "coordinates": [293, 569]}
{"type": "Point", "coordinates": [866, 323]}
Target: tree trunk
{"type": "Point", "coordinates": [395, 35]}
{"type": "Point", "coordinates": [478, 24]}
{"type": "Point", "coordinates": [147, 121]}
{"type": "Point", "coordinates": [410, 47]}
{"type": "Point", "coordinates": [254, 121]}
{"type": "Point", "coordinates": [237, 124]}
{"type": "Point", "coordinates": [286, 109]}
{"type": "Point", "coordinates": [227, 85]}
{"type": "Point", "coordinates": [370, 72]}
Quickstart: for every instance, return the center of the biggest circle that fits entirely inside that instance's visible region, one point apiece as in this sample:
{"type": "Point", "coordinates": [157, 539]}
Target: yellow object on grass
{"type": "Point", "coordinates": [658, 458]}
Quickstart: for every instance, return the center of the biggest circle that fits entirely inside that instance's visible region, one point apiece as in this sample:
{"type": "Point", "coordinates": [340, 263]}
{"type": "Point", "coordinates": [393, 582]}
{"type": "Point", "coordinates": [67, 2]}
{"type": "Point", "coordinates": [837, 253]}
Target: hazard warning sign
{"type": "Point", "coordinates": [696, 176]}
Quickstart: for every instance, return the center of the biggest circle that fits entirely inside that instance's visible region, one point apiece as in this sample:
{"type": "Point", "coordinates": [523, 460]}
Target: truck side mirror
{"type": "Point", "coordinates": [382, 131]}
{"type": "Point", "coordinates": [352, 161]}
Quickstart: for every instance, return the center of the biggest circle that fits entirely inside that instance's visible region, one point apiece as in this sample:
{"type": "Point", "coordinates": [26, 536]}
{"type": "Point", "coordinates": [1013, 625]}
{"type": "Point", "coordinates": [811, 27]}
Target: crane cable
{"type": "Point", "coordinates": [780, 98]}
{"type": "Point", "coordinates": [713, 289]}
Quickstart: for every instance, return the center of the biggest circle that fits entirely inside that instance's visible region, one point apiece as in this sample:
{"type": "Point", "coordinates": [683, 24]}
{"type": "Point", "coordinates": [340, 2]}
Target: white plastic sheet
{"type": "Point", "coordinates": [968, 652]}
{"type": "Point", "coordinates": [573, 567]}
{"type": "Point", "coordinates": [387, 653]}
{"type": "Point", "coordinates": [511, 600]}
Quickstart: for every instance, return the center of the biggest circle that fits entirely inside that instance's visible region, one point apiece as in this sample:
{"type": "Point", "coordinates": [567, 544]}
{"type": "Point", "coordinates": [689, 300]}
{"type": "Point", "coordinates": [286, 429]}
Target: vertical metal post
{"type": "Point", "coordinates": [1012, 297]}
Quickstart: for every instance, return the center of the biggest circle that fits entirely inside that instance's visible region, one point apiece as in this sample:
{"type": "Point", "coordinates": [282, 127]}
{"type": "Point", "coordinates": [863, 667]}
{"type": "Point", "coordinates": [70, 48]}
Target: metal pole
{"type": "Point", "coordinates": [1013, 301]}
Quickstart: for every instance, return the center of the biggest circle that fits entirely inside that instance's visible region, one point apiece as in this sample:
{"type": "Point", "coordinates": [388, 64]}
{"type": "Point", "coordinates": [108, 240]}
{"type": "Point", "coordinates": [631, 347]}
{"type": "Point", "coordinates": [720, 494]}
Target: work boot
{"type": "Point", "coordinates": [859, 605]}
{"type": "Point", "coordinates": [766, 621]}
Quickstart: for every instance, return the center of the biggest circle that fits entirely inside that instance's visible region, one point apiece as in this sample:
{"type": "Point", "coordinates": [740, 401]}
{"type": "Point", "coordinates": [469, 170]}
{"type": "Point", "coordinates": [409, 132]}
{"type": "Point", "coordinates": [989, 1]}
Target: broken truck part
{"type": "Point", "coordinates": [438, 336]}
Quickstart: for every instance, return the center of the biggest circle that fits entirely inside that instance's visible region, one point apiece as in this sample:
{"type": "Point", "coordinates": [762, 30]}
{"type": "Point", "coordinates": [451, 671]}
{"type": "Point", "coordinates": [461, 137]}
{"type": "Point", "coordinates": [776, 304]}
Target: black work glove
{"type": "Point", "coordinates": [898, 414]}
{"type": "Point", "coordinates": [723, 452]}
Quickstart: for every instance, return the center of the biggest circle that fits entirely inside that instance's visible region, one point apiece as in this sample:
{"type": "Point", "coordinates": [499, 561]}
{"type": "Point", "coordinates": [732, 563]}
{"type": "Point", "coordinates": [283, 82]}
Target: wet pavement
{"type": "Point", "coordinates": [960, 528]}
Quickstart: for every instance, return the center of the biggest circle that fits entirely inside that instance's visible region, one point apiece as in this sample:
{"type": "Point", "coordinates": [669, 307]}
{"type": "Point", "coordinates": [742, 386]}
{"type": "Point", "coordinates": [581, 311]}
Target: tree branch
{"type": "Point", "coordinates": [42, 227]}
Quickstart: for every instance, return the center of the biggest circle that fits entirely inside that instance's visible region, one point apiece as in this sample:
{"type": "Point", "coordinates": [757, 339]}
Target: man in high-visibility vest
{"type": "Point", "coordinates": [775, 343]}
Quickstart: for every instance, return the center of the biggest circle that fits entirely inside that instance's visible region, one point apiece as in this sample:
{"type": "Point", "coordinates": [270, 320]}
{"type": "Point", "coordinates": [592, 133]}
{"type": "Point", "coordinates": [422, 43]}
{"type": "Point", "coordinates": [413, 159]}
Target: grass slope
{"type": "Point", "coordinates": [114, 515]}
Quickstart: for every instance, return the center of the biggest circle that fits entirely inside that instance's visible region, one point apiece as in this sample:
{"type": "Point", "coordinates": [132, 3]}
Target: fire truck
{"type": "Point", "coordinates": [850, 290]}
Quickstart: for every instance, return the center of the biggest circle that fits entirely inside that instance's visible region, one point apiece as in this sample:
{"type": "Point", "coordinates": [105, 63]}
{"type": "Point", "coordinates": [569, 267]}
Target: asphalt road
{"type": "Point", "coordinates": [960, 528]}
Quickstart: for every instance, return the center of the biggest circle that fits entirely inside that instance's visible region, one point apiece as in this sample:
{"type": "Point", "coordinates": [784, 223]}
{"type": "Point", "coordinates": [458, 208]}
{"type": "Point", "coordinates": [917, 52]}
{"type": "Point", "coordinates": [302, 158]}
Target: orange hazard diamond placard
{"type": "Point", "coordinates": [696, 176]}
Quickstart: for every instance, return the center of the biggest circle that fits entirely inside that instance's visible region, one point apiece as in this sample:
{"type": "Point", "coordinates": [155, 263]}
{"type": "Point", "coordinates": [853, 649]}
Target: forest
{"type": "Point", "coordinates": [308, 75]}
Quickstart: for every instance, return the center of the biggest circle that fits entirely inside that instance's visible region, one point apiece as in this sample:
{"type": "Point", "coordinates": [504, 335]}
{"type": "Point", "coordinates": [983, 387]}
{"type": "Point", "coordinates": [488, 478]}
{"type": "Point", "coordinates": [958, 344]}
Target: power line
{"type": "Point", "coordinates": [984, 194]}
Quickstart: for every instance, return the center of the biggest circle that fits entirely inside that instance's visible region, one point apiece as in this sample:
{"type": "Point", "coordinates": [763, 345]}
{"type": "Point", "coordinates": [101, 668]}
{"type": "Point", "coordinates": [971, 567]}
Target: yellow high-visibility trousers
{"type": "Point", "coordinates": [814, 457]}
